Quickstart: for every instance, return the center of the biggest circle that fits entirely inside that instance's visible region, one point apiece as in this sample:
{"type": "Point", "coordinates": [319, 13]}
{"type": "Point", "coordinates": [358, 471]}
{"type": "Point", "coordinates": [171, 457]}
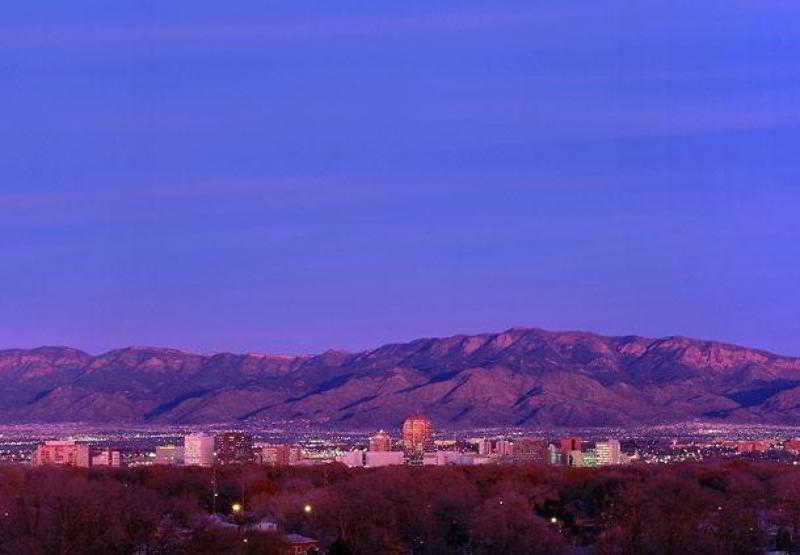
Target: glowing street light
{"type": "Point", "coordinates": [553, 520]}
{"type": "Point", "coordinates": [307, 509]}
{"type": "Point", "coordinates": [236, 507]}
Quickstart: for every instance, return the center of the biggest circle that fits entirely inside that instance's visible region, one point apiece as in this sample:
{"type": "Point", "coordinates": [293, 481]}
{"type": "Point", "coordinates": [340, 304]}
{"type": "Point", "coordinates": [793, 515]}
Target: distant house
{"type": "Point", "coordinates": [300, 545]}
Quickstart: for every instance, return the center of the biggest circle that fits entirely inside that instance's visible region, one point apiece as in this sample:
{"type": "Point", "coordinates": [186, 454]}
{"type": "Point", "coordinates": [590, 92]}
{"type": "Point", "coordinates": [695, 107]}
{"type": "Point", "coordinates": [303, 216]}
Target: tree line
{"type": "Point", "coordinates": [703, 508]}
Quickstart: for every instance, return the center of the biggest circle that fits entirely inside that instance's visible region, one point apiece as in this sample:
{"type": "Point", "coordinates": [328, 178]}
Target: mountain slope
{"type": "Point", "coordinates": [523, 376]}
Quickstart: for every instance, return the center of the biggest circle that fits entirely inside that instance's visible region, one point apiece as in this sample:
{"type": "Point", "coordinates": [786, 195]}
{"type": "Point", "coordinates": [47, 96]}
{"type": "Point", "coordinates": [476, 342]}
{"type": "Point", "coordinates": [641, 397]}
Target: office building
{"type": "Point", "coordinates": [374, 459]}
{"type": "Point", "coordinates": [64, 453]}
{"type": "Point", "coordinates": [170, 455]}
{"type": "Point", "coordinates": [107, 457]}
{"type": "Point", "coordinates": [198, 449]}
{"type": "Point", "coordinates": [381, 441]}
{"type": "Point", "coordinates": [608, 452]}
{"type": "Point", "coordinates": [233, 448]}
{"type": "Point", "coordinates": [417, 434]}
{"type": "Point", "coordinates": [529, 450]}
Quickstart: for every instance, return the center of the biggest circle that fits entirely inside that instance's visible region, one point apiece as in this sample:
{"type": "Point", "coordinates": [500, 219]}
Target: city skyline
{"type": "Point", "coordinates": [292, 178]}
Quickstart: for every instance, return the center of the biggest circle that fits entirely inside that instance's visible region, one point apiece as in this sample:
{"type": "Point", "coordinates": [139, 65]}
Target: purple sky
{"type": "Point", "coordinates": [295, 176]}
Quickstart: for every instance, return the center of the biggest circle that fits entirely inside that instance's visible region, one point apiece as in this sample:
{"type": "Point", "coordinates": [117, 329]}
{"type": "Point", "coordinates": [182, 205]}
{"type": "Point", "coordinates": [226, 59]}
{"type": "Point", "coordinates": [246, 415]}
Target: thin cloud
{"type": "Point", "coordinates": [306, 30]}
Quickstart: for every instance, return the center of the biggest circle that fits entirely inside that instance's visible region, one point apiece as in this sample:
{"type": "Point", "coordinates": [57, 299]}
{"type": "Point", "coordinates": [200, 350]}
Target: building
{"type": "Point", "coordinates": [760, 446]}
{"type": "Point", "coordinates": [503, 448]}
{"type": "Point", "coordinates": [608, 452]}
{"type": "Point", "coordinates": [65, 453]}
{"type": "Point", "coordinates": [589, 458]}
{"type": "Point", "coordinates": [107, 457]}
{"type": "Point", "coordinates": [280, 455]}
{"type": "Point", "coordinates": [568, 444]}
{"type": "Point", "coordinates": [170, 455]}
{"type": "Point", "coordinates": [484, 447]}
{"type": "Point", "coordinates": [198, 449]}
{"type": "Point", "coordinates": [381, 441]}
{"type": "Point", "coordinates": [529, 450]}
{"type": "Point", "coordinates": [234, 448]}
{"type": "Point", "coordinates": [574, 458]}
{"type": "Point", "coordinates": [351, 459]}
{"type": "Point", "coordinates": [553, 455]}
{"type": "Point", "coordinates": [417, 434]}
{"type": "Point", "coordinates": [374, 459]}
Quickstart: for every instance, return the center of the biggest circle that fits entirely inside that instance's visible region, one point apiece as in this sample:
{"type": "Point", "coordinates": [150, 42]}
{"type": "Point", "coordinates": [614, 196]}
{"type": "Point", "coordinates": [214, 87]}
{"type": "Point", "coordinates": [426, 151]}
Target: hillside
{"type": "Point", "coordinates": [523, 376]}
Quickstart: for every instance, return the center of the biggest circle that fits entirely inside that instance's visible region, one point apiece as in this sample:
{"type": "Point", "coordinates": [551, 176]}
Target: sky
{"type": "Point", "coordinates": [296, 176]}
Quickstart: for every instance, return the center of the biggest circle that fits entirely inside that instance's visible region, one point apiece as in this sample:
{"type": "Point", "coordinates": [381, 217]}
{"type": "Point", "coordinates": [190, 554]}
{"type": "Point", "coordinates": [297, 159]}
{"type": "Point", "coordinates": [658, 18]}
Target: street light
{"type": "Point", "coordinates": [236, 507]}
{"type": "Point", "coordinates": [307, 509]}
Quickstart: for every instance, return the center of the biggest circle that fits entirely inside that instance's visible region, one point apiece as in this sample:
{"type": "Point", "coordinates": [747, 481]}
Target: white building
{"type": "Point", "coordinates": [106, 457]}
{"type": "Point", "coordinates": [198, 449]}
{"type": "Point", "coordinates": [384, 458]}
{"type": "Point", "coordinates": [608, 452]}
{"type": "Point", "coordinates": [351, 459]}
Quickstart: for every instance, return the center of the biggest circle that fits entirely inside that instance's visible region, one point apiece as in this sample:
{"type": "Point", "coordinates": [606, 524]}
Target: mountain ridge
{"type": "Point", "coordinates": [521, 376]}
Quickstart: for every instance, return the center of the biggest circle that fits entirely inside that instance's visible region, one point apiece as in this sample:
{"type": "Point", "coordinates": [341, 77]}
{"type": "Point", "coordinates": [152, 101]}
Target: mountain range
{"type": "Point", "coordinates": [519, 377]}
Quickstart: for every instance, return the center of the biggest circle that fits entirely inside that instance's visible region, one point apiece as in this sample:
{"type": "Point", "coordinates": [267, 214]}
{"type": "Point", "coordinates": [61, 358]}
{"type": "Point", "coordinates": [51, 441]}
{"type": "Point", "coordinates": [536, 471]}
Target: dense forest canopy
{"type": "Point", "coordinates": [711, 508]}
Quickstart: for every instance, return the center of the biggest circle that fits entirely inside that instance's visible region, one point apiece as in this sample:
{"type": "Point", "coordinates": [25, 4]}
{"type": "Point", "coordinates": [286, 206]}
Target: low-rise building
{"type": "Point", "coordinates": [374, 459]}
{"type": "Point", "coordinates": [64, 453]}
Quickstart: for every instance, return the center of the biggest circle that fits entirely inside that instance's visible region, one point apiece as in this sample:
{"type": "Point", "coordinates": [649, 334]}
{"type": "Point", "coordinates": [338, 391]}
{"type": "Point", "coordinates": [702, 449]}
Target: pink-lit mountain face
{"type": "Point", "coordinates": [518, 377]}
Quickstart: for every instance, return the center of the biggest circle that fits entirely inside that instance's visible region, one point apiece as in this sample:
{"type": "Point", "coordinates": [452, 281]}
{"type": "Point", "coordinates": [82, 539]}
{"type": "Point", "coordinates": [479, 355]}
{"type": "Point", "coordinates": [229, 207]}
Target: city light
{"type": "Point", "coordinates": [236, 507]}
{"type": "Point", "coordinates": [307, 509]}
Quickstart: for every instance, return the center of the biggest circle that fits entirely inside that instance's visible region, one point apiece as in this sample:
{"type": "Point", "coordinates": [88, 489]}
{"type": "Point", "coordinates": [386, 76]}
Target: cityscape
{"type": "Point", "coordinates": [416, 443]}
{"type": "Point", "coordinates": [400, 278]}
{"type": "Point", "coordinates": [243, 481]}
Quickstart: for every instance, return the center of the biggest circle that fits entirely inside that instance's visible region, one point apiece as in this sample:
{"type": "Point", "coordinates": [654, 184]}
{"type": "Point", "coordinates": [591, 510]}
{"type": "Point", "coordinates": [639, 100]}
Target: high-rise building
{"type": "Point", "coordinates": [65, 453]}
{"type": "Point", "coordinates": [198, 449]}
{"type": "Point", "coordinates": [608, 452]}
{"type": "Point", "coordinates": [234, 447]}
{"type": "Point", "coordinates": [568, 444]}
{"type": "Point", "coordinates": [107, 457]}
{"type": "Point", "coordinates": [171, 455]}
{"type": "Point", "coordinates": [529, 450]}
{"type": "Point", "coordinates": [381, 441]}
{"type": "Point", "coordinates": [417, 434]}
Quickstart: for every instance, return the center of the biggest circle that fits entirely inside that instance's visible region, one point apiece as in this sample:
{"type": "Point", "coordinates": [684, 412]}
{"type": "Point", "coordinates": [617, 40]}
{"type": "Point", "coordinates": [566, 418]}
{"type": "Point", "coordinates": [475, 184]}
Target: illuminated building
{"type": "Point", "coordinates": [280, 455]}
{"type": "Point", "coordinates": [589, 458]}
{"type": "Point", "coordinates": [608, 452]}
{"type": "Point", "coordinates": [234, 447]}
{"type": "Point", "coordinates": [375, 459]}
{"type": "Point", "coordinates": [484, 446]}
{"type": "Point", "coordinates": [529, 450]}
{"type": "Point", "coordinates": [107, 457]}
{"type": "Point", "coordinates": [417, 434]}
{"type": "Point", "coordinates": [170, 455]}
{"type": "Point", "coordinates": [351, 459]}
{"type": "Point", "coordinates": [65, 453]}
{"type": "Point", "coordinates": [503, 448]}
{"type": "Point", "coordinates": [574, 458]}
{"type": "Point", "coordinates": [568, 444]}
{"type": "Point", "coordinates": [381, 441]}
{"type": "Point", "coordinates": [198, 449]}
